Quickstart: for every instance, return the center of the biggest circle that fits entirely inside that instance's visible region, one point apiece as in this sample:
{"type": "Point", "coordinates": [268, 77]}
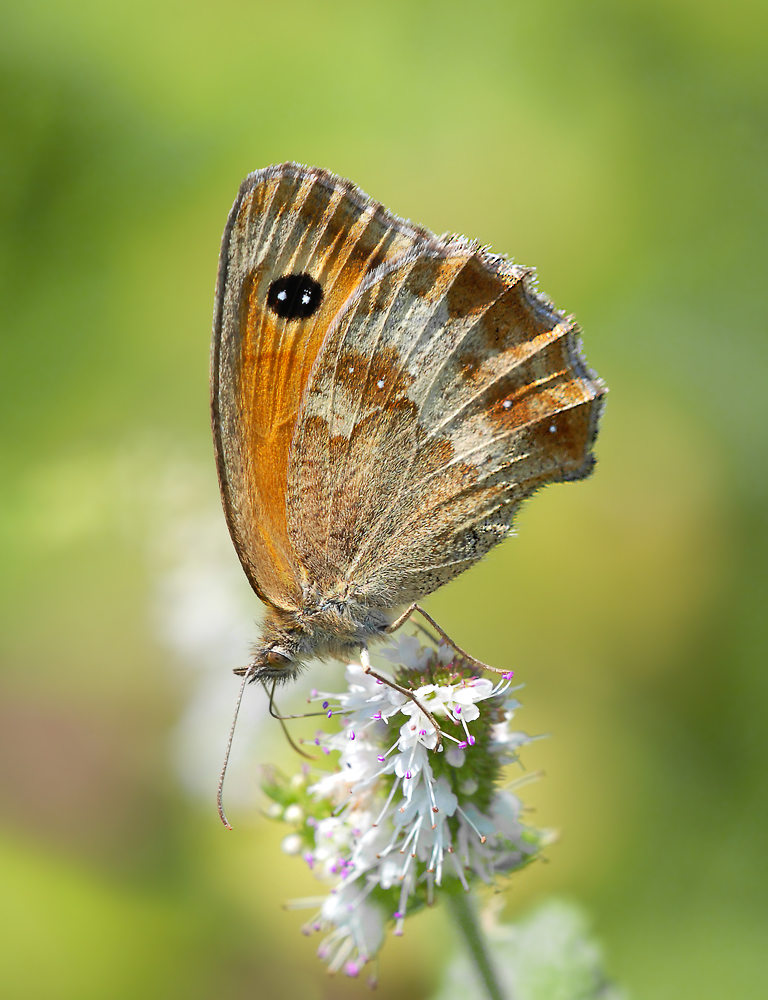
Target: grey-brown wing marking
{"type": "Point", "coordinates": [445, 393]}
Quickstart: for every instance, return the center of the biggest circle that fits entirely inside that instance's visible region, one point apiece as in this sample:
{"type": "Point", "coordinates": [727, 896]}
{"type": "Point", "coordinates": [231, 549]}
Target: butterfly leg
{"type": "Point", "coordinates": [242, 671]}
{"type": "Point", "coordinates": [365, 660]}
{"type": "Point", "coordinates": [274, 712]}
{"type": "Point", "coordinates": [444, 635]}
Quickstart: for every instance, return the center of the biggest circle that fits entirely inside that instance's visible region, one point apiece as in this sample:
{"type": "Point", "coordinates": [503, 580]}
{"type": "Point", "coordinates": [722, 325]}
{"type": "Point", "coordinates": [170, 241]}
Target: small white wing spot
{"type": "Point", "coordinates": [282, 296]}
{"type": "Point", "coordinates": [552, 428]}
{"type": "Point", "coordinates": [380, 383]}
{"type": "Point", "coordinates": [507, 404]}
{"type": "Point", "coordinates": [304, 298]}
{"type": "Point", "coordinates": [351, 371]}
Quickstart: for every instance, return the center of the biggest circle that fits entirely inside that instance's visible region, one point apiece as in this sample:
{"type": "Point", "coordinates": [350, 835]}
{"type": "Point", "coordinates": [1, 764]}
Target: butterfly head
{"type": "Point", "coordinates": [290, 639]}
{"type": "Point", "coordinates": [279, 660]}
{"type": "Point", "coordinates": [282, 648]}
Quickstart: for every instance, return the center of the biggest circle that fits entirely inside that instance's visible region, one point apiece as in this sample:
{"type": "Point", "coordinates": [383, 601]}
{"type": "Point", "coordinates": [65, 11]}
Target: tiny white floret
{"type": "Point", "coordinates": [291, 844]}
{"type": "Point", "coordinates": [294, 814]}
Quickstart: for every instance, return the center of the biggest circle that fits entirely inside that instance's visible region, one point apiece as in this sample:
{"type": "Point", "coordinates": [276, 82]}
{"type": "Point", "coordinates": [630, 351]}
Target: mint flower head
{"type": "Point", "coordinates": [414, 806]}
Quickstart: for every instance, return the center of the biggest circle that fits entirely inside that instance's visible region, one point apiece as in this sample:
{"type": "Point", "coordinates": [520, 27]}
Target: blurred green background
{"type": "Point", "coordinates": [620, 148]}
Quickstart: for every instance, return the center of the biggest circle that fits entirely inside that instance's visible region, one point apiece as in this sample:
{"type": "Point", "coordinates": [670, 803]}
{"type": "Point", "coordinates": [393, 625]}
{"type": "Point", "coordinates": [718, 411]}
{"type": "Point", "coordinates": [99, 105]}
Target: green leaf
{"type": "Point", "coordinates": [549, 955]}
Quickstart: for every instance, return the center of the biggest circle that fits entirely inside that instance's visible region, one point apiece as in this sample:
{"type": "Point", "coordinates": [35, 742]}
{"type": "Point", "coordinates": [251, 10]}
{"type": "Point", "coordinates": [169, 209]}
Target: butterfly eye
{"type": "Point", "coordinates": [276, 659]}
{"type": "Point", "coordinates": [294, 296]}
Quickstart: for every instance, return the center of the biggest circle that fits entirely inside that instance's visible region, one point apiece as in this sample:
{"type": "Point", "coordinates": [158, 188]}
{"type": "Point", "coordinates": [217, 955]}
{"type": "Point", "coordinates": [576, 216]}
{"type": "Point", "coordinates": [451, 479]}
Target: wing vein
{"type": "Point", "coordinates": [498, 377]}
{"type": "Point", "coordinates": [365, 547]}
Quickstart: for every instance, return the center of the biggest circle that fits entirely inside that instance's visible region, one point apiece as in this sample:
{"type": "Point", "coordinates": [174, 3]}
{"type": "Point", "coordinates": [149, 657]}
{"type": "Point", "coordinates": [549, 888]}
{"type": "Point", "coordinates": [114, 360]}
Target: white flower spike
{"type": "Point", "coordinates": [404, 815]}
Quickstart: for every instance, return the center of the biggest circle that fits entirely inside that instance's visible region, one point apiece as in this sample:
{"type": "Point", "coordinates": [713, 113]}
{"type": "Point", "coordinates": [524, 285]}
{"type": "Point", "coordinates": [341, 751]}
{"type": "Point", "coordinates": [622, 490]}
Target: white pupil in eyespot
{"type": "Point", "coordinates": [282, 296]}
{"type": "Point", "coordinates": [305, 298]}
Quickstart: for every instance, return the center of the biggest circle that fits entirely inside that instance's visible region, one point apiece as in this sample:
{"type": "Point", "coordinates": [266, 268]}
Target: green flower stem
{"type": "Point", "coordinates": [462, 907]}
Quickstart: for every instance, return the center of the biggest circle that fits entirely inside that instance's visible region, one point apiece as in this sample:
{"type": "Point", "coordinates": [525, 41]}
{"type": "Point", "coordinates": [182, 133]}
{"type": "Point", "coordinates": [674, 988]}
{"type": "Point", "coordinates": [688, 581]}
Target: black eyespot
{"type": "Point", "coordinates": [294, 296]}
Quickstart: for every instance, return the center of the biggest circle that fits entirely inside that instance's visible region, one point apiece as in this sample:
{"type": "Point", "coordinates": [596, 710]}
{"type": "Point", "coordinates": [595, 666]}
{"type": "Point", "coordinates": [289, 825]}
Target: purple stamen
{"type": "Point", "coordinates": [463, 744]}
{"type": "Point", "coordinates": [313, 693]}
{"type": "Point", "coordinates": [381, 758]}
{"type": "Point", "coordinates": [330, 714]}
{"type": "Point", "coordinates": [325, 704]}
{"type": "Point", "coordinates": [458, 710]}
{"type": "Point", "coordinates": [351, 736]}
{"type": "Point", "coordinates": [377, 716]}
{"type": "Point", "coordinates": [352, 970]}
{"type": "Point", "coordinates": [471, 741]}
{"type": "Point", "coordinates": [407, 774]}
{"type": "Point", "coordinates": [422, 732]}
{"type": "Point", "coordinates": [508, 675]}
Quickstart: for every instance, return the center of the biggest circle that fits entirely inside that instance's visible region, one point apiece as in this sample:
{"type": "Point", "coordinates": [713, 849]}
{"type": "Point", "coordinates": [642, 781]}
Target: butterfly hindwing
{"type": "Point", "coordinates": [445, 392]}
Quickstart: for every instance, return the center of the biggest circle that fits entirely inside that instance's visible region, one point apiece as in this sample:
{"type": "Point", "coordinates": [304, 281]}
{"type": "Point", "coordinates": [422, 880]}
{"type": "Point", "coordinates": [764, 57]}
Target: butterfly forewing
{"type": "Point", "coordinates": [298, 244]}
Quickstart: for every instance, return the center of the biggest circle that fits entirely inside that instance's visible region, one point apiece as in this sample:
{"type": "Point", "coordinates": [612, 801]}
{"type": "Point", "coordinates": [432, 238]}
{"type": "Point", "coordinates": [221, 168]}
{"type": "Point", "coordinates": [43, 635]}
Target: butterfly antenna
{"type": "Point", "coordinates": [220, 789]}
{"type": "Point", "coordinates": [274, 712]}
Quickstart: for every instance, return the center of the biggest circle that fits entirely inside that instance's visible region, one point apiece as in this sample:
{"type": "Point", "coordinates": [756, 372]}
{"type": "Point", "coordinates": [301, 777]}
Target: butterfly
{"type": "Point", "coordinates": [383, 400]}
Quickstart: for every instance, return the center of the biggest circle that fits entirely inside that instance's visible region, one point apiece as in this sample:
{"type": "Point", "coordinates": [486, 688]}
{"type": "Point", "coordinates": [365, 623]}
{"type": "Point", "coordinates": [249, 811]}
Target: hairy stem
{"type": "Point", "coordinates": [462, 907]}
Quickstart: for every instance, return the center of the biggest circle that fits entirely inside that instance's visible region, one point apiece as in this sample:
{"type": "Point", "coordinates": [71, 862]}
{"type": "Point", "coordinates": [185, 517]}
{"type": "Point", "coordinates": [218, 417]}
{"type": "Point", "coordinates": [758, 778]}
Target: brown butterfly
{"type": "Point", "coordinates": [383, 401]}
